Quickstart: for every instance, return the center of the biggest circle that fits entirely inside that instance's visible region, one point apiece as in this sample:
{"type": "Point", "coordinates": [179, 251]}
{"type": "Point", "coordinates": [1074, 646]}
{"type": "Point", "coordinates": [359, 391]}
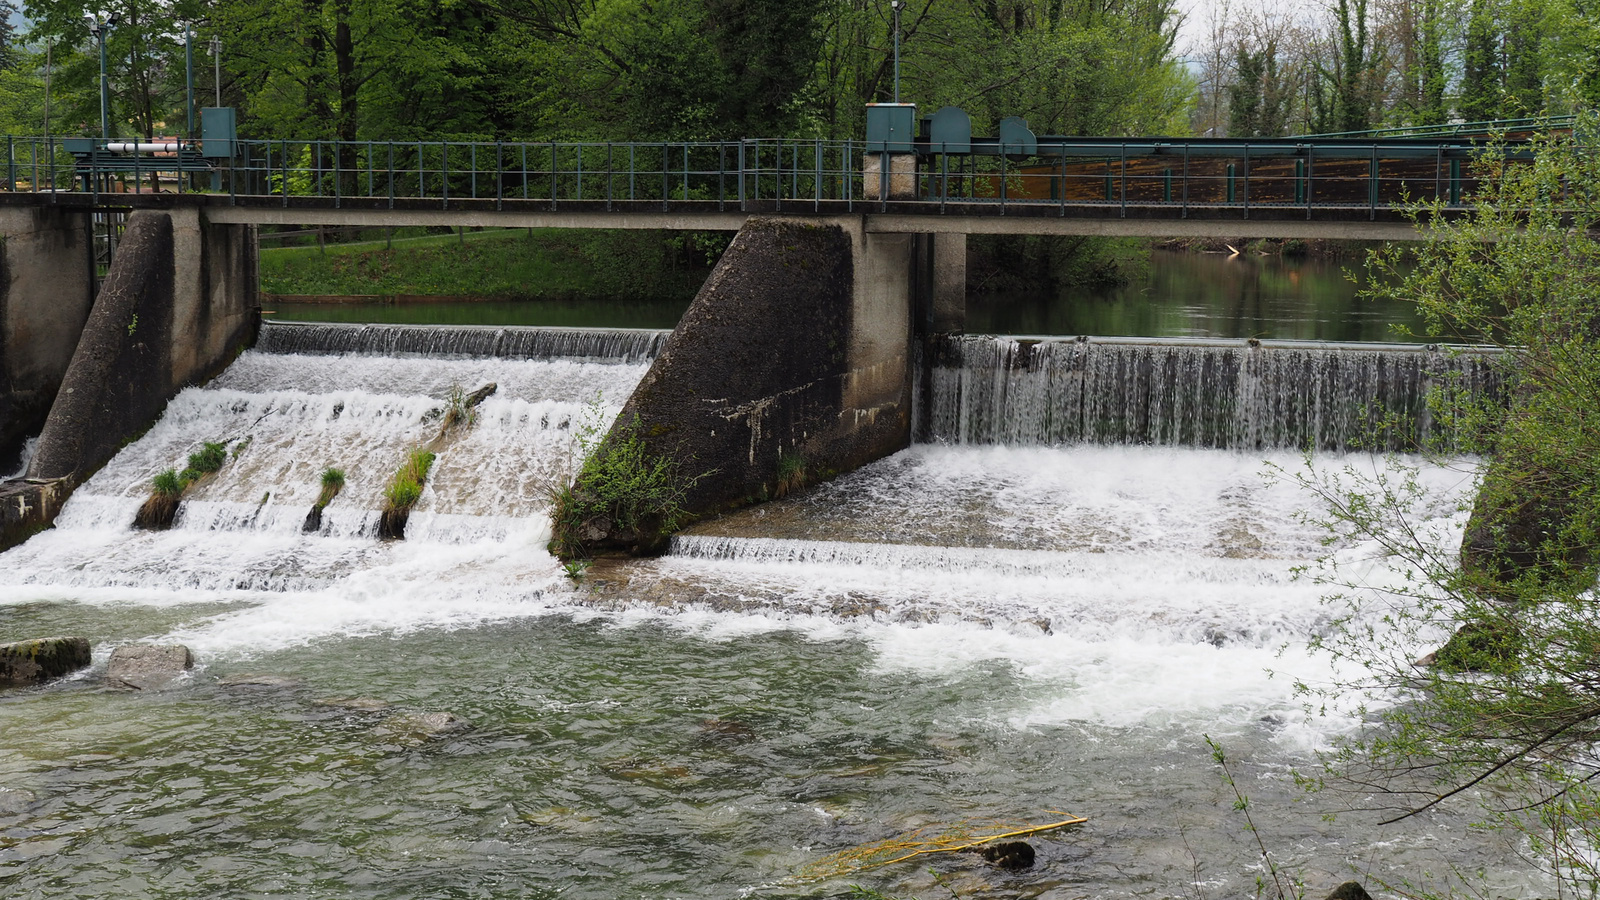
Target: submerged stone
{"type": "Point", "coordinates": [419, 727]}
{"type": "Point", "coordinates": [1350, 890]}
{"type": "Point", "coordinates": [1014, 855]}
{"type": "Point", "coordinates": [266, 681]}
{"type": "Point", "coordinates": [41, 659]}
{"type": "Point", "coordinates": [148, 667]}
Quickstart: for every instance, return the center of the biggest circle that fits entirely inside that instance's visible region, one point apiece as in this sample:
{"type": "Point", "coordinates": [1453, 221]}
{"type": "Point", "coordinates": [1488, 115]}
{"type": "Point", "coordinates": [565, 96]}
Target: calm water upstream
{"type": "Point", "coordinates": [1181, 295]}
{"type": "Point", "coordinates": [986, 627]}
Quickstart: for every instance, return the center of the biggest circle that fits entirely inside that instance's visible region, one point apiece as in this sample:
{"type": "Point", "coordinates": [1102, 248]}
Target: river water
{"type": "Point", "coordinates": [1000, 622]}
{"type": "Point", "coordinates": [1214, 295]}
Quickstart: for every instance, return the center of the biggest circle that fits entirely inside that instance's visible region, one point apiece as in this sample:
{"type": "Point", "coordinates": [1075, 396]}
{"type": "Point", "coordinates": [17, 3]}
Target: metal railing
{"type": "Point", "coordinates": [780, 174]}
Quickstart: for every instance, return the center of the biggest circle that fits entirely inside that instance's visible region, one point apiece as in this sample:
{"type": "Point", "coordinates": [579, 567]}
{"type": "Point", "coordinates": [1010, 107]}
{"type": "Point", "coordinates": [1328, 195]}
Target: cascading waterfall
{"type": "Point", "coordinates": [632, 345]}
{"type": "Point", "coordinates": [982, 615]}
{"type": "Point", "coordinates": [1239, 395]}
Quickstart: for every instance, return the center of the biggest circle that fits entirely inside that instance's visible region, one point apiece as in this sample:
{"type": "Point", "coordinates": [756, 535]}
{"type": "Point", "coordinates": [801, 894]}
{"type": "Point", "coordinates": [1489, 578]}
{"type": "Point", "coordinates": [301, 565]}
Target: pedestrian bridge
{"type": "Point", "coordinates": [1331, 188]}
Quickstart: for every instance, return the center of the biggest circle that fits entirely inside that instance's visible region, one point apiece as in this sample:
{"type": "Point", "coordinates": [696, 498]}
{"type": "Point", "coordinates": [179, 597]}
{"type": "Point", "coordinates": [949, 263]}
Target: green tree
{"type": "Point", "coordinates": [1258, 101]}
{"type": "Point", "coordinates": [1511, 702]}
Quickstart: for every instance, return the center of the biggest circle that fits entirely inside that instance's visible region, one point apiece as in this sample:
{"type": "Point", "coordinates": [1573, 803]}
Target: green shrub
{"type": "Point", "coordinates": [168, 484]}
{"type": "Point", "coordinates": [332, 484]}
{"type": "Point", "coordinates": [624, 484]}
{"type": "Point", "coordinates": [209, 458]}
{"type": "Point", "coordinates": [405, 488]}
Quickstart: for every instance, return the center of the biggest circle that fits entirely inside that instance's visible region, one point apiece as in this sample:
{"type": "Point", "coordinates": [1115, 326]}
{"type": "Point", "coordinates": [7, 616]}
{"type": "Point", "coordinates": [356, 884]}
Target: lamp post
{"type": "Point", "coordinates": [897, 5]}
{"type": "Point", "coordinates": [100, 29]}
{"type": "Point", "coordinates": [188, 79]}
{"type": "Point", "coordinates": [216, 56]}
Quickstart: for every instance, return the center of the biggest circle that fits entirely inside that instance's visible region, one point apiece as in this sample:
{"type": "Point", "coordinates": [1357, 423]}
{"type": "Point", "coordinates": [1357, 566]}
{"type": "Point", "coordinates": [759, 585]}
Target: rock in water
{"type": "Point", "coordinates": [1350, 890]}
{"type": "Point", "coordinates": [148, 667]}
{"type": "Point", "coordinates": [1014, 855]}
{"type": "Point", "coordinates": [41, 659]}
{"type": "Point", "coordinates": [415, 728]}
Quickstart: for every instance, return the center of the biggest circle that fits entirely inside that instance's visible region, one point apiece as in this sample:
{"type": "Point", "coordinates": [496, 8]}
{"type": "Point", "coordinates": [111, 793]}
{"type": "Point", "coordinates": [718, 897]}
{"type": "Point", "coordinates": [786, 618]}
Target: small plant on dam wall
{"type": "Point", "coordinates": [332, 484]}
{"type": "Point", "coordinates": [403, 492]}
{"type": "Point", "coordinates": [623, 496]}
{"type": "Point", "coordinates": [167, 489]}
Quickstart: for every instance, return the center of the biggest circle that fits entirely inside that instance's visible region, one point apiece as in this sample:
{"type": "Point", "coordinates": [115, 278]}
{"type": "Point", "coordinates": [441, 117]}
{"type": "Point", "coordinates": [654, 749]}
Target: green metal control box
{"type": "Point", "coordinates": [219, 129]}
{"type": "Point", "coordinates": [891, 127]}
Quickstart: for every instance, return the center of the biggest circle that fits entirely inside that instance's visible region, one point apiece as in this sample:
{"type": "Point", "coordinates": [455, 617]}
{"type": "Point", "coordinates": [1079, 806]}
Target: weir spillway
{"type": "Point", "coordinates": [1004, 618]}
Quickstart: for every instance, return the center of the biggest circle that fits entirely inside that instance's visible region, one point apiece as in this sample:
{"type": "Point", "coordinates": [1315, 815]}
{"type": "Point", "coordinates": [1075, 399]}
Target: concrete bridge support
{"type": "Point", "coordinates": [46, 278]}
{"type": "Point", "coordinates": [178, 304]}
{"type": "Point", "coordinates": [792, 365]}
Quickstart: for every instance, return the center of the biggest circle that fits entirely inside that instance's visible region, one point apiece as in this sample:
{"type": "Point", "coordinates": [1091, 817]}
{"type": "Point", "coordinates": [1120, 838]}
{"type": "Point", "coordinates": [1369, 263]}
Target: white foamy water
{"type": "Point", "coordinates": [1129, 584]}
{"type": "Point", "coordinates": [953, 631]}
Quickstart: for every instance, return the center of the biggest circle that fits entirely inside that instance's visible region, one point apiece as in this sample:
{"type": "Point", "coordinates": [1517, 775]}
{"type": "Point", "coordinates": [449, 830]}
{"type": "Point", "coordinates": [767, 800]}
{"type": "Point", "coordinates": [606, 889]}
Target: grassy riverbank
{"type": "Point", "coordinates": [506, 264]}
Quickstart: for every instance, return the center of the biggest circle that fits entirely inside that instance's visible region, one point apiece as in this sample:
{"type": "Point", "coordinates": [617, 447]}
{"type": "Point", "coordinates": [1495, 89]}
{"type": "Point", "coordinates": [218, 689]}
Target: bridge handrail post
{"type": "Point", "coordinates": [610, 172]}
{"type": "Point", "coordinates": [1122, 172]}
{"type": "Point", "coordinates": [944, 176]}
{"type": "Point", "coordinates": [472, 162]}
{"type": "Point", "coordinates": [444, 174]}
{"type": "Point", "coordinates": [1247, 179]}
{"type": "Point", "coordinates": [740, 172]}
{"type": "Point", "coordinates": [11, 164]}
{"type": "Point", "coordinates": [233, 176]}
{"type": "Point", "coordinates": [372, 171]}
{"type": "Point", "coordinates": [1311, 177]}
{"type": "Point", "coordinates": [1003, 174]}
{"type": "Point", "coordinates": [577, 169]}
{"type": "Point", "coordinates": [524, 155]}
{"type": "Point", "coordinates": [1061, 188]}
{"type": "Point", "coordinates": [685, 171]}
{"type": "Point", "coordinates": [722, 173]}
{"type": "Point", "coordinates": [389, 175]}
{"type": "Point", "coordinates": [499, 175]}
{"type": "Point", "coordinates": [1185, 213]}
{"type": "Point", "coordinates": [1372, 186]}
{"type": "Point", "coordinates": [553, 177]}
{"type": "Point", "coordinates": [849, 175]}
{"type": "Point", "coordinates": [817, 184]}
{"type": "Point", "coordinates": [338, 176]}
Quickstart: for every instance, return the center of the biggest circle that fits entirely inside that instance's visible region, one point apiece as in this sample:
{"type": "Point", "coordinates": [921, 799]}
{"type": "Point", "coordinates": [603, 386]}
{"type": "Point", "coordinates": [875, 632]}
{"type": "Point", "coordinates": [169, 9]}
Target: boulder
{"type": "Point", "coordinates": [414, 728]}
{"type": "Point", "coordinates": [1013, 855]}
{"type": "Point", "coordinates": [1481, 646]}
{"type": "Point", "coordinates": [148, 667]}
{"type": "Point", "coordinates": [41, 659]}
{"type": "Point", "coordinates": [1350, 890]}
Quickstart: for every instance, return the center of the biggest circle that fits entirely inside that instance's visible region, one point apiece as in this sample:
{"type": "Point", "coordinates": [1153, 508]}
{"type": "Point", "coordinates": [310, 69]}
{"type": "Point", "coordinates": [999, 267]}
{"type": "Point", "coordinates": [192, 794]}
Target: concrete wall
{"type": "Point", "coordinates": [176, 307]}
{"type": "Point", "coordinates": [792, 365]}
{"type": "Point", "coordinates": [46, 268]}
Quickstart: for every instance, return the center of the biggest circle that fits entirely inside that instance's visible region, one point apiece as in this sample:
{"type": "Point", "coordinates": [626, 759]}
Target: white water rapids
{"type": "Point", "coordinates": [1089, 609]}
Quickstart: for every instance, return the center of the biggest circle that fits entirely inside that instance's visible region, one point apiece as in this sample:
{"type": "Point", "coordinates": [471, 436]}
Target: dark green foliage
{"type": "Point", "coordinates": [332, 484]}
{"type": "Point", "coordinates": [623, 487]}
{"type": "Point", "coordinates": [1512, 703]}
{"type": "Point", "coordinates": [168, 484]}
{"type": "Point", "coordinates": [1258, 102]}
{"type": "Point", "coordinates": [209, 458]}
{"type": "Point", "coordinates": [405, 488]}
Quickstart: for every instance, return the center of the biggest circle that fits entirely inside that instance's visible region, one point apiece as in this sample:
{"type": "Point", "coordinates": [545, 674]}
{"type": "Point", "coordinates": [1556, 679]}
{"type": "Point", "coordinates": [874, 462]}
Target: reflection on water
{"type": "Point", "coordinates": [1183, 294]}
{"type": "Point", "coordinates": [1208, 295]}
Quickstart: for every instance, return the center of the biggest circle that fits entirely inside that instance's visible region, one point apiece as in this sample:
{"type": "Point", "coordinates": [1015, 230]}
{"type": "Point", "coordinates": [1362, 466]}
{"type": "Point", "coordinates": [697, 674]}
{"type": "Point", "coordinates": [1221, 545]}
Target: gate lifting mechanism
{"type": "Point", "coordinates": [97, 158]}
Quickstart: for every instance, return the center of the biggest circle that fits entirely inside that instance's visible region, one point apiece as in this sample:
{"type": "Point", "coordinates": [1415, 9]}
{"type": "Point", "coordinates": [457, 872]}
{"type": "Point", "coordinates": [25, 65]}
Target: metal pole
{"type": "Point", "coordinates": [188, 78]}
{"type": "Point", "coordinates": [49, 64]}
{"type": "Point", "coordinates": [105, 86]}
{"type": "Point", "coordinates": [216, 55]}
{"type": "Point", "coordinates": [896, 5]}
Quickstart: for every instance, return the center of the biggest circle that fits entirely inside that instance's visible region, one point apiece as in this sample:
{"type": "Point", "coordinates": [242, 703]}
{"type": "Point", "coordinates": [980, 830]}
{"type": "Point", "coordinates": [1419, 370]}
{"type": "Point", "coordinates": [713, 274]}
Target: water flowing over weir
{"type": "Point", "coordinates": [505, 342]}
{"type": "Point", "coordinates": [1230, 394]}
{"type": "Point", "coordinates": [990, 629]}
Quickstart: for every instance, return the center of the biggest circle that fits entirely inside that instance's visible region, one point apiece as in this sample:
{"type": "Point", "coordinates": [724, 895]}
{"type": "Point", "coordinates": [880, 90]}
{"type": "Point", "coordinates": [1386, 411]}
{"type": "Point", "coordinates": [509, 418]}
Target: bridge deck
{"type": "Point", "coordinates": [1322, 188]}
{"type": "Point", "coordinates": [1133, 219]}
